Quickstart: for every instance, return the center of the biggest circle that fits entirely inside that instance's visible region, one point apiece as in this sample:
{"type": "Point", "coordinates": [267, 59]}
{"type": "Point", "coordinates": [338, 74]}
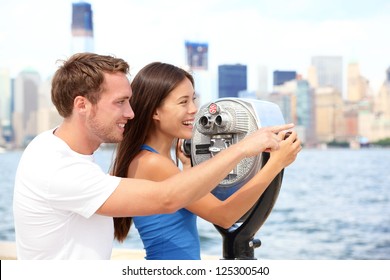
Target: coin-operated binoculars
{"type": "Point", "coordinates": [217, 126]}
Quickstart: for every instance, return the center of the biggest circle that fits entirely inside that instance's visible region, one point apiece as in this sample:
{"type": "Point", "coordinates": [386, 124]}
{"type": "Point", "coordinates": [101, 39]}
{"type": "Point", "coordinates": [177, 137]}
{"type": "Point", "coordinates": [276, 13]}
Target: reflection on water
{"type": "Point", "coordinates": [333, 204]}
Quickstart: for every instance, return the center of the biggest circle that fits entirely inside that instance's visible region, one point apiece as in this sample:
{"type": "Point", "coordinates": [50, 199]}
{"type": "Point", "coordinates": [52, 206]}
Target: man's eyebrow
{"type": "Point", "coordinates": [123, 97]}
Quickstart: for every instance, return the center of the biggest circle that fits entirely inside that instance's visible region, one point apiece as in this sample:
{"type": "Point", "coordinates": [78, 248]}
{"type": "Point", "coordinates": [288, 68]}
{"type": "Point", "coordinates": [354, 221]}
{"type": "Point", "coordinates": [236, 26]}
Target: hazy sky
{"type": "Point", "coordinates": [282, 35]}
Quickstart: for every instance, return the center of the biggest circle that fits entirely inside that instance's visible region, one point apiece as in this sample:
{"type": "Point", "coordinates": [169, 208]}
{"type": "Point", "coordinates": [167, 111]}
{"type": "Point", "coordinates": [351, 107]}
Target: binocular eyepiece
{"type": "Point", "coordinates": [221, 120]}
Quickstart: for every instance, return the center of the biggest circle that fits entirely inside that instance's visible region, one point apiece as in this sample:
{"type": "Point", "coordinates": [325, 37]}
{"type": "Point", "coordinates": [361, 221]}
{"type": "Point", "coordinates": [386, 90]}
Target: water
{"type": "Point", "coordinates": [333, 204]}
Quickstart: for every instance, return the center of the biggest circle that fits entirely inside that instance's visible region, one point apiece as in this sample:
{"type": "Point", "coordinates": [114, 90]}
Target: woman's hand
{"type": "Point", "coordinates": [185, 160]}
{"type": "Point", "coordinates": [289, 147]}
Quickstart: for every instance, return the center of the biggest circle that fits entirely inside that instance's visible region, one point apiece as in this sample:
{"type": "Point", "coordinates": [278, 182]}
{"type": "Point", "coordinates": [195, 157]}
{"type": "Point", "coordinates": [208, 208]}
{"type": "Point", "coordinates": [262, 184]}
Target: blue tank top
{"type": "Point", "coordinates": [169, 236]}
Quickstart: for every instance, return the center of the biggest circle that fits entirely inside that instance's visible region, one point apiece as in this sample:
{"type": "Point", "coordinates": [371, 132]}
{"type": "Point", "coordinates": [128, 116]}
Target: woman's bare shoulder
{"type": "Point", "coordinates": [152, 166]}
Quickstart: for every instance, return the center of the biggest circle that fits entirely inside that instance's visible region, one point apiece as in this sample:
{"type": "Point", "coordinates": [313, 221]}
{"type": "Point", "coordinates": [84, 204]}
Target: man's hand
{"type": "Point", "coordinates": [265, 139]}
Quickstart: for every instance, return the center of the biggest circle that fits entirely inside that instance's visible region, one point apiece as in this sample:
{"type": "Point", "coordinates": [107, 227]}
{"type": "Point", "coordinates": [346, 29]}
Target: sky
{"type": "Point", "coordinates": [280, 35]}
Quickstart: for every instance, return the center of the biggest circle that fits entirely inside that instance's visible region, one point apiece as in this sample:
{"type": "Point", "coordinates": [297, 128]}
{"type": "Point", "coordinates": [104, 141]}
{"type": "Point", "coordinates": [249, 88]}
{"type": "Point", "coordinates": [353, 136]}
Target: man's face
{"type": "Point", "coordinates": [108, 117]}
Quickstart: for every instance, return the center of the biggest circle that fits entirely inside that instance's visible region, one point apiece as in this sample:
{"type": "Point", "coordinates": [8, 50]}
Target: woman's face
{"type": "Point", "coordinates": [175, 116]}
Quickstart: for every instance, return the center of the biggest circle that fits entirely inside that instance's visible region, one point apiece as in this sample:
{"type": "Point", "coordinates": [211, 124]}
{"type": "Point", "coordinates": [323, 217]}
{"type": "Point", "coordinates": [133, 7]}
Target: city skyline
{"type": "Point", "coordinates": [278, 35]}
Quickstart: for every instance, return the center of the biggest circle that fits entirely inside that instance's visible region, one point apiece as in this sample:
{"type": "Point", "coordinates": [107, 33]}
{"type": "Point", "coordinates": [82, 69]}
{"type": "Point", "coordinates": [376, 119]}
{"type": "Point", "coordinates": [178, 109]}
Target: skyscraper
{"type": "Point", "coordinates": [196, 55]}
{"type": "Point", "coordinates": [280, 77]}
{"type": "Point", "coordinates": [261, 86]}
{"type": "Point", "coordinates": [82, 28]}
{"type": "Point", "coordinates": [26, 106]}
{"type": "Point", "coordinates": [231, 80]}
{"type": "Point", "coordinates": [357, 85]}
{"type": "Point", "coordinates": [196, 60]}
{"type": "Point", "coordinates": [305, 110]}
{"type": "Point", "coordinates": [329, 71]}
{"type": "Point", "coordinates": [5, 106]}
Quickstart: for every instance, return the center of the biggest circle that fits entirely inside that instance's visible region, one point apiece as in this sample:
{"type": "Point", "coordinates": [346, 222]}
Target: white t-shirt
{"type": "Point", "coordinates": [57, 192]}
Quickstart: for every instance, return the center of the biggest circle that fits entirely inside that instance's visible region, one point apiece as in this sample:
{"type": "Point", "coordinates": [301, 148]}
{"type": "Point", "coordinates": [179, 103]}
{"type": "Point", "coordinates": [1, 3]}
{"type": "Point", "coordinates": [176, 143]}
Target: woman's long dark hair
{"type": "Point", "coordinates": [150, 87]}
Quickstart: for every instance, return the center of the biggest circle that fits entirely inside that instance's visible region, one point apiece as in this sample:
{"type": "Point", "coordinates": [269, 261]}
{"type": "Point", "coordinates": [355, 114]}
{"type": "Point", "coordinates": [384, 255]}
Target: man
{"type": "Point", "coordinates": [64, 202]}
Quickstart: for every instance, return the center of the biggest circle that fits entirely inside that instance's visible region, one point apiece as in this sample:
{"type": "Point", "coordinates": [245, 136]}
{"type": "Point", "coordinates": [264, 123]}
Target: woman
{"type": "Point", "coordinates": [164, 102]}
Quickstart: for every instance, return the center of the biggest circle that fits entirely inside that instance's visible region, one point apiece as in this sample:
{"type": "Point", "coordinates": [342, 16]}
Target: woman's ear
{"type": "Point", "coordinates": [156, 116]}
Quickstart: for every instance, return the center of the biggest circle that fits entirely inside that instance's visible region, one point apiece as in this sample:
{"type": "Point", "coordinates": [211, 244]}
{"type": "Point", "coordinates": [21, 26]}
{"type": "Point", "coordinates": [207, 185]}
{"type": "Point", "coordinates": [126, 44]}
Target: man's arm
{"type": "Point", "coordinates": [134, 197]}
{"type": "Point", "coordinates": [225, 213]}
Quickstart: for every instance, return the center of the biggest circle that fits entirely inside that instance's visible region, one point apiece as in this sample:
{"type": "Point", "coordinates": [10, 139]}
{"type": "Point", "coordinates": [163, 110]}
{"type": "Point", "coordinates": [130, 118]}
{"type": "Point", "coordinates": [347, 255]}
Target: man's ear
{"type": "Point", "coordinates": [80, 104]}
